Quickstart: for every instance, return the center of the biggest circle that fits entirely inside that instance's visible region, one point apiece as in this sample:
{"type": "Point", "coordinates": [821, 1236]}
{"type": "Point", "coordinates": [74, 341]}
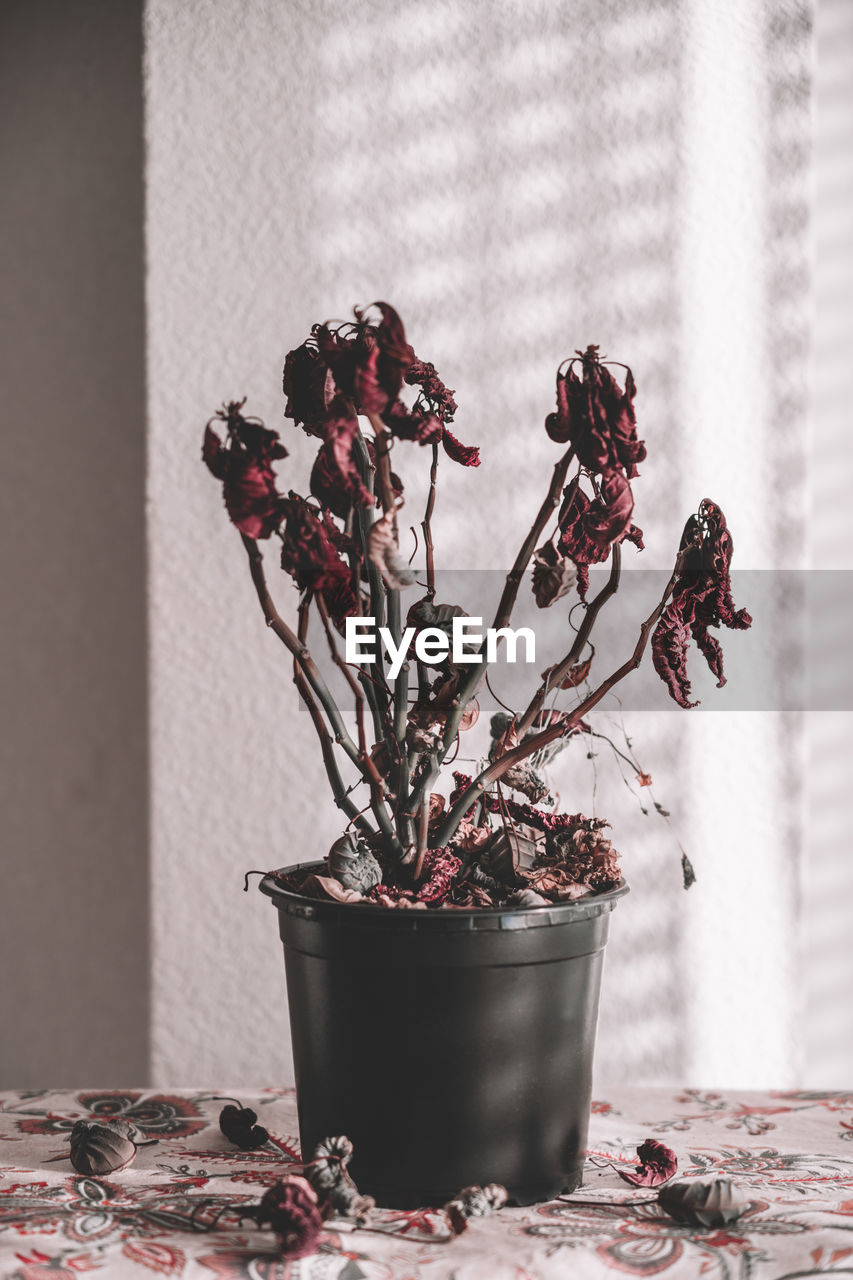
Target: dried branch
{"type": "Point", "coordinates": [383, 465]}
{"type": "Point", "coordinates": [377, 687]}
{"type": "Point", "coordinates": [502, 617]}
{"type": "Point", "coordinates": [313, 678]}
{"type": "Point", "coordinates": [522, 560]}
{"type": "Point", "coordinates": [423, 838]}
{"type": "Point", "coordinates": [561, 728]}
{"type": "Point", "coordinates": [342, 797]}
{"type": "Point", "coordinates": [426, 525]}
{"type": "Point", "coordinates": [397, 740]}
{"type": "Point", "coordinates": [374, 776]}
{"type": "Point", "coordinates": [557, 674]}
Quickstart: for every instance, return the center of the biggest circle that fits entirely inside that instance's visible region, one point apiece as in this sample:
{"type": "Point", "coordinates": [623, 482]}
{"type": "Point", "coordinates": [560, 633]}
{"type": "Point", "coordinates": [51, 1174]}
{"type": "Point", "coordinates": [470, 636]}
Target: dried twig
{"type": "Point", "coordinates": [502, 617]}
{"type": "Point", "coordinates": [312, 677]}
{"type": "Point", "coordinates": [558, 673]}
{"type": "Point", "coordinates": [426, 525]}
{"type": "Point", "coordinates": [339, 791]}
{"type": "Point", "coordinates": [561, 728]}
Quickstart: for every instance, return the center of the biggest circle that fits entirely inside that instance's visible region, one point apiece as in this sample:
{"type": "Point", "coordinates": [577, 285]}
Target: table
{"type": "Point", "coordinates": [174, 1210]}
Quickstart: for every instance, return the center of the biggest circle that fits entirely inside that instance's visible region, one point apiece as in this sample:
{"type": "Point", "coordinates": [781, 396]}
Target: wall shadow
{"type": "Point", "coordinates": [73, 771]}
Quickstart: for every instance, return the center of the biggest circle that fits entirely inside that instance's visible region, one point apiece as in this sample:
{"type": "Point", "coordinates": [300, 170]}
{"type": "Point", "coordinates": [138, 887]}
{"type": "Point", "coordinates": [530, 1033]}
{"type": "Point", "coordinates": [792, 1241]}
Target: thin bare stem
{"type": "Point", "coordinates": [383, 465]}
{"type": "Point", "coordinates": [426, 525]}
{"type": "Point", "coordinates": [397, 740]}
{"type": "Point", "coordinates": [342, 797]}
{"type": "Point", "coordinates": [375, 778]}
{"type": "Point", "coordinates": [557, 674]}
{"type": "Point", "coordinates": [502, 617]}
{"type": "Point", "coordinates": [561, 728]}
{"type": "Point", "coordinates": [423, 837]}
{"type": "Point", "coordinates": [313, 678]}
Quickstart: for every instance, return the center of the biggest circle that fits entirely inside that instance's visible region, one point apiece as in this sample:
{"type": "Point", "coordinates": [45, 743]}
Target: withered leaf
{"type": "Point", "coordinates": [382, 549]}
{"type": "Point", "coordinates": [553, 575]}
{"type": "Point", "coordinates": [575, 675]}
{"type": "Point", "coordinates": [101, 1146]}
{"type": "Point", "coordinates": [240, 1126]}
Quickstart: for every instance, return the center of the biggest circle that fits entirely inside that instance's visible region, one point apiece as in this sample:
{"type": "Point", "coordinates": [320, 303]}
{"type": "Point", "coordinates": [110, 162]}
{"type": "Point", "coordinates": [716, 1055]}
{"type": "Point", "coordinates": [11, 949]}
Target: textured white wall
{"type": "Point", "coordinates": [518, 179]}
{"type": "Point", "coordinates": [828, 869]}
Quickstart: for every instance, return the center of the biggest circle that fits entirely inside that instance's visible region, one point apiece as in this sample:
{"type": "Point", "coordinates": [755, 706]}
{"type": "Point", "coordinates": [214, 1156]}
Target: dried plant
{"type": "Point", "coordinates": [359, 389]}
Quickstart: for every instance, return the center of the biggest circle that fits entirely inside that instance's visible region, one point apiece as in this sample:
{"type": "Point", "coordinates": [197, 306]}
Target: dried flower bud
{"type": "Point", "coordinates": [290, 1208]}
{"type": "Point", "coordinates": [657, 1165]}
{"type": "Point", "coordinates": [331, 1180]}
{"type": "Point", "coordinates": [101, 1146]}
{"type": "Point", "coordinates": [239, 1125]}
{"type": "Point", "coordinates": [474, 1202]}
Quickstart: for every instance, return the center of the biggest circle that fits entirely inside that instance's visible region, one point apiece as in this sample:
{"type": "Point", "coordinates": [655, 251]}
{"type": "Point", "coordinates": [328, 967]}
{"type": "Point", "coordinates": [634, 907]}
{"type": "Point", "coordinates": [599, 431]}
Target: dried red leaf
{"type": "Point", "coordinates": [553, 575]}
{"type": "Point", "coordinates": [440, 869]}
{"type": "Point", "coordinates": [465, 454]}
{"type": "Point", "coordinates": [243, 462]}
{"type": "Point", "coordinates": [309, 386]}
{"type": "Point", "coordinates": [417, 424]}
{"type": "Point", "coordinates": [575, 675]}
{"type": "Point", "coordinates": [309, 554]}
{"type": "Point", "coordinates": [335, 479]}
{"type": "Point", "coordinates": [702, 598]}
{"type": "Point", "coordinates": [240, 1126]}
{"type": "Point", "coordinates": [597, 416]}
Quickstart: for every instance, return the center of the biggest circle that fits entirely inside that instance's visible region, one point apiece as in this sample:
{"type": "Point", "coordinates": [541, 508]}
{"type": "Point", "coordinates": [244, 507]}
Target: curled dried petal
{"type": "Point", "coordinates": [465, 454]}
{"type": "Point", "coordinates": [657, 1165]}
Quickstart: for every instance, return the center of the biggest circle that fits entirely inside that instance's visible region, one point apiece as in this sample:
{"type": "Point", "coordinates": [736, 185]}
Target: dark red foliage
{"type": "Point", "coordinates": [309, 554]}
{"type": "Point", "coordinates": [466, 454]}
{"type": "Point", "coordinates": [243, 462]}
{"type": "Point", "coordinates": [657, 1165]}
{"type": "Point", "coordinates": [701, 598]}
{"type": "Point", "coordinates": [517, 809]}
{"type": "Point", "coordinates": [360, 367]}
{"type": "Point", "coordinates": [290, 1208]}
{"type": "Point", "coordinates": [308, 384]}
{"type": "Point", "coordinates": [597, 416]}
{"type": "Point", "coordinates": [421, 373]}
{"type": "Point", "coordinates": [441, 867]}
{"type": "Point", "coordinates": [418, 423]}
{"type": "Point", "coordinates": [590, 526]}
{"type": "Point", "coordinates": [336, 479]}
{"type": "Point", "coordinates": [395, 354]}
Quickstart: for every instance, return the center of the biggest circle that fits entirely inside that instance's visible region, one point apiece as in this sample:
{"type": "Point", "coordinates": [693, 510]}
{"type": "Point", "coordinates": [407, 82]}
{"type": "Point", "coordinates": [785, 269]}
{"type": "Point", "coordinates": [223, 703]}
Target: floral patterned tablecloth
{"type": "Point", "coordinates": [175, 1210]}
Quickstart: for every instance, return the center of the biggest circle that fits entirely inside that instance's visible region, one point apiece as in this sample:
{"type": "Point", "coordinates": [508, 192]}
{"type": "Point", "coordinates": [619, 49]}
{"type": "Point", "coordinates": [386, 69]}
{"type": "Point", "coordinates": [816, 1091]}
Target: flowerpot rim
{"type": "Point", "coordinates": [455, 920]}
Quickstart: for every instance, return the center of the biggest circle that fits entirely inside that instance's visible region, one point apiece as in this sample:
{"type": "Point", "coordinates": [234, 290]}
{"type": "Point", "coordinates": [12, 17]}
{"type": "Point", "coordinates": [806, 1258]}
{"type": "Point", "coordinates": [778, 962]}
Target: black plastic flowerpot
{"type": "Point", "coordinates": [451, 1046]}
